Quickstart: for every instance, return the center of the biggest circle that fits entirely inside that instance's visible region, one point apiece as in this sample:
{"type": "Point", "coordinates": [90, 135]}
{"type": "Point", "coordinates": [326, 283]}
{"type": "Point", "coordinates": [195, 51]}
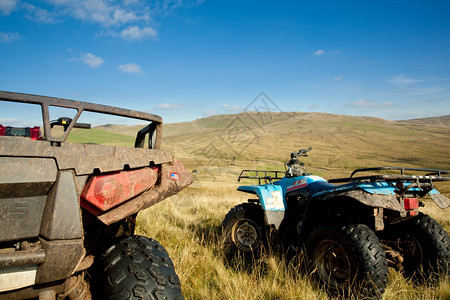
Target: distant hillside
{"type": "Point", "coordinates": [441, 121]}
{"type": "Point", "coordinates": [338, 141]}
{"type": "Point", "coordinates": [265, 140]}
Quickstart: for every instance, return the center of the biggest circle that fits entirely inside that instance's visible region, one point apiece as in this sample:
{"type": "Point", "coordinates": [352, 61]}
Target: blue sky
{"type": "Point", "coordinates": [186, 60]}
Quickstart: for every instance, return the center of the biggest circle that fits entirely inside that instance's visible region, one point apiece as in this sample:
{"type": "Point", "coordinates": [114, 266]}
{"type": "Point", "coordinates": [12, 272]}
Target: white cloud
{"type": "Point", "coordinates": [136, 33]}
{"type": "Point", "coordinates": [91, 60]}
{"type": "Point", "coordinates": [9, 37]}
{"type": "Point", "coordinates": [130, 68]}
{"type": "Point", "coordinates": [169, 106]}
{"type": "Point", "coordinates": [402, 79]}
{"type": "Point", "coordinates": [231, 108]}
{"type": "Point", "coordinates": [319, 52]}
{"type": "Point", "coordinates": [130, 2]}
{"type": "Point", "coordinates": [128, 19]}
{"type": "Point", "coordinates": [105, 13]}
{"type": "Point", "coordinates": [337, 78]}
{"type": "Point", "coordinates": [7, 6]}
{"type": "Point", "coordinates": [371, 103]}
{"type": "Point", "coordinates": [39, 14]}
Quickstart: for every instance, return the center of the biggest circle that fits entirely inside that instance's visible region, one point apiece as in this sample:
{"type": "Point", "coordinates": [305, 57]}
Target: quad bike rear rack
{"type": "Point", "coordinates": [429, 176]}
{"type": "Point", "coordinates": [268, 175]}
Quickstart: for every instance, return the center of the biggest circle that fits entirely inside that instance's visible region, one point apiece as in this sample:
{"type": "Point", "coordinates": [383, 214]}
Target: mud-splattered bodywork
{"type": "Point", "coordinates": [49, 228]}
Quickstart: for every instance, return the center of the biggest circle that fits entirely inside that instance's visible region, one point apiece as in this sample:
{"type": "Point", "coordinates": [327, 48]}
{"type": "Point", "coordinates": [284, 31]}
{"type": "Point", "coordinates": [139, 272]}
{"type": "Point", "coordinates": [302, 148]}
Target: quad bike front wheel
{"type": "Point", "coordinates": [139, 268]}
{"type": "Point", "coordinates": [348, 259]}
{"type": "Point", "coordinates": [243, 230]}
{"type": "Point", "coordinates": [424, 246]}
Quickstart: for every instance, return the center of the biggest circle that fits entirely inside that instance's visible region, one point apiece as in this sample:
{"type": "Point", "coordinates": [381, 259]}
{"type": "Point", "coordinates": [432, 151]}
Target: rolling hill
{"type": "Point", "coordinates": [339, 142]}
{"type": "Point", "coordinates": [227, 143]}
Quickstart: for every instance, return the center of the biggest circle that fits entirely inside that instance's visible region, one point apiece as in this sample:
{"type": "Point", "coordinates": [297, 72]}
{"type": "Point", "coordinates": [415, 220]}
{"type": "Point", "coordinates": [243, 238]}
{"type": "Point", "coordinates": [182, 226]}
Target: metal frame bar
{"type": "Point", "coordinates": [431, 175]}
{"type": "Point", "coordinates": [45, 102]}
{"type": "Point", "coordinates": [265, 177]}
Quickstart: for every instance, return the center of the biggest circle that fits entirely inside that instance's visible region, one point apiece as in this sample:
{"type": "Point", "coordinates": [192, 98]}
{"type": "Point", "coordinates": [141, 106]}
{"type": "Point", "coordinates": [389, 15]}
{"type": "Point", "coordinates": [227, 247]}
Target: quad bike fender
{"type": "Point", "coordinates": [377, 194]}
{"type": "Point", "coordinates": [271, 199]}
{"type": "Point", "coordinates": [440, 200]}
{"type": "Point", "coordinates": [388, 189]}
{"type": "Point", "coordinates": [374, 200]}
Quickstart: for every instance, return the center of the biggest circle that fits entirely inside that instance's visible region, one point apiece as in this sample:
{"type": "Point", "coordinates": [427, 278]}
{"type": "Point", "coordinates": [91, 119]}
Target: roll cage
{"type": "Point", "coordinates": [154, 128]}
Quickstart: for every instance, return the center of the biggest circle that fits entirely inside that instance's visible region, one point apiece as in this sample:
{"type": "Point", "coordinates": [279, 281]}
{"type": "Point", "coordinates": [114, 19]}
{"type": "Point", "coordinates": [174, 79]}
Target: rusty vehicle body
{"type": "Point", "coordinates": [64, 205]}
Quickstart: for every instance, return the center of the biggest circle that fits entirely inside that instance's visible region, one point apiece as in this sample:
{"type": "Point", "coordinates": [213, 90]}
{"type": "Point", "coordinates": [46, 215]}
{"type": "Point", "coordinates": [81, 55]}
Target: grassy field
{"type": "Point", "coordinates": [217, 148]}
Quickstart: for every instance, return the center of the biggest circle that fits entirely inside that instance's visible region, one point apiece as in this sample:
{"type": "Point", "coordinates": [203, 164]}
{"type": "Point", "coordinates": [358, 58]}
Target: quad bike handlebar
{"type": "Point", "coordinates": [301, 152]}
{"type": "Point", "coordinates": [293, 166]}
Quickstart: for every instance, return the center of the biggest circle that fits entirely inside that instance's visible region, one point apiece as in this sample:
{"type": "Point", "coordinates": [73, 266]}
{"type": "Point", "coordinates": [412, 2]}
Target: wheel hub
{"type": "Point", "coordinates": [332, 262]}
{"type": "Point", "coordinates": [246, 235]}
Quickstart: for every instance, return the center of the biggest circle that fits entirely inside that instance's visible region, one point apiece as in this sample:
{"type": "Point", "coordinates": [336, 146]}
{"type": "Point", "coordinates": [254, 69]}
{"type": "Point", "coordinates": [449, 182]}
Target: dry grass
{"type": "Point", "coordinates": [189, 226]}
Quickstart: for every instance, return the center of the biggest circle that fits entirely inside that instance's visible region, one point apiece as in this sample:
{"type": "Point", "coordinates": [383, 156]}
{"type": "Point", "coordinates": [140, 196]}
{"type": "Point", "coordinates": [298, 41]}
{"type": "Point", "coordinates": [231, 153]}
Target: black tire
{"type": "Point", "coordinates": [348, 259]}
{"type": "Point", "coordinates": [424, 246]}
{"type": "Point", "coordinates": [139, 268]}
{"type": "Point", "coordinates": [243, 231]}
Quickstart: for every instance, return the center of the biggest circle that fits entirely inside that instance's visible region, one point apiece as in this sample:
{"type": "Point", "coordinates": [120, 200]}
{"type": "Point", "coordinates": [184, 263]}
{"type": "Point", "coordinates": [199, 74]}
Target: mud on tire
{"type": "Point", "coordinates": [348, 259]}
{"type": "Point", "coordinates": [243, 231]}
{"type": "Point", "coordinates": [139, 268]}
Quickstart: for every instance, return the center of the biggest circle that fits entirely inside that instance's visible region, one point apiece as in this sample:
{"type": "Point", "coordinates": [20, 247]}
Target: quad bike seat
{"type": "Point", "coordinates": [320, 186]}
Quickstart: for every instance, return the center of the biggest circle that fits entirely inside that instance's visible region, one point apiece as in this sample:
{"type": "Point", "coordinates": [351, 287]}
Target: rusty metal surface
{"type": "Point", "coordinates": [84, 158]}
{"type": "Point", "coordinates": [168, 186]}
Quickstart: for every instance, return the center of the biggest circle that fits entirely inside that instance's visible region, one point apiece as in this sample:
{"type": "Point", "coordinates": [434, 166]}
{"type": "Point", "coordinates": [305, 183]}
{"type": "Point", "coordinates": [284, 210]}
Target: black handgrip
{"type": "Point", "coordinates": [65, 122]}
{"type": "Point", "coordinates": [302, 152]}
{"type": "Point", "coordinates": [82, 125]}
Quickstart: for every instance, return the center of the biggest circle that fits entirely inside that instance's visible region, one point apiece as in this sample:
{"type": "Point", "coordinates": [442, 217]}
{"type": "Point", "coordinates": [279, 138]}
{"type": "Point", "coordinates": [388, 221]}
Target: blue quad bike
{"type": "Point", "coordinates": [350, 233]}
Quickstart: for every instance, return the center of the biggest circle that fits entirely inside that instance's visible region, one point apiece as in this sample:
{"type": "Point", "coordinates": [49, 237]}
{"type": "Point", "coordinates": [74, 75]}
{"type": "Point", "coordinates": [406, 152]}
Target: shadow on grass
{"type": "Point", "coordinates": [206, 231]}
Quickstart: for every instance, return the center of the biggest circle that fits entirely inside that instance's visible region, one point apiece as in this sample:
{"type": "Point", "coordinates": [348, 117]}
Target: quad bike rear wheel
{"type": "Point", "coordinates": [139, 268]}
{"type": "Point", "coordinates": [348, 259]}
{"type": "Point", "coordinates": [243, 230]}
{"type": "Point", "coordinates": [424, 246]}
